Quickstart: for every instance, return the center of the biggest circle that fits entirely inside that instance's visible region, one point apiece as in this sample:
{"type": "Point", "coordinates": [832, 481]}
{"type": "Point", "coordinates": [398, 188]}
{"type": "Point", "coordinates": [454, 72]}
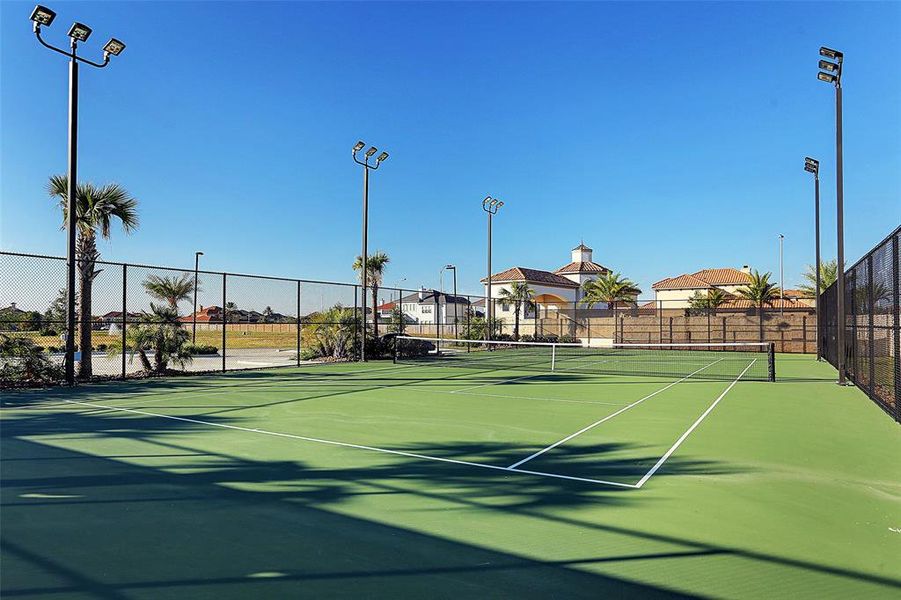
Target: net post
{"type": "Point", "coordinates": [771, 361]}
{"type": "Point", "coordinates": [553, 357]}
{"type": "Point", "coordinates": [394, 352]}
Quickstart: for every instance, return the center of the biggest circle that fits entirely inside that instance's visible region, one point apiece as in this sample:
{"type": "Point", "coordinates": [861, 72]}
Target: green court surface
{"type": "Point", "coordinates": [382, 480]}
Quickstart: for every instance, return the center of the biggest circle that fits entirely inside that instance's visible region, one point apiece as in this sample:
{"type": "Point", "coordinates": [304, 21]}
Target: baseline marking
{"type": "Point", "coordinates": [685, 435]}
{"type": "Point", "coordinates": [607, 418]}
{"type": "Point", "coordinates": [357, 446]}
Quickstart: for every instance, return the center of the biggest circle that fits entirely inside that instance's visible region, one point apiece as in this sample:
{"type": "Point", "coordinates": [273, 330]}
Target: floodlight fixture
{"type": "Point", "coordinates": [381, 157]}
{"type": "Point", "coordinates": [79, 32]}
{"type": "Point", "coordinates": [811, 165]}
{"type": "Point", "coordinates": [830, 53]}
{"type": "Point", "coordinates": [358, 146]}
{"type": "Point", "coordinates": [41, 15]}
{"type": "Point", "coordinates": [114, 47]}
{"type": "Point", "coordinates": [500, 204]}
{"type": "Point", "coordinates": [826, 77]}
{"type": "Point", "coordinates": [372, 150]}
{"type": "Point", "coordinates": [828, 66]}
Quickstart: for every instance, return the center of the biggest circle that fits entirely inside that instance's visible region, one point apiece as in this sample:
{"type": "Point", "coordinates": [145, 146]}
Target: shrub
{"type": "Point", "coordinates": [22, 360]}
{"type": "Point", "coordinates": [201, 349]}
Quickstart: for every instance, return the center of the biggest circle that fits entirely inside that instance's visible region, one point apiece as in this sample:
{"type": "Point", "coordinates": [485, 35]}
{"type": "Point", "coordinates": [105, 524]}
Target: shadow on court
{"type": "Point", "coordinates": [191, 522]}
{"type": "Point", "coordinates": [216, 525]}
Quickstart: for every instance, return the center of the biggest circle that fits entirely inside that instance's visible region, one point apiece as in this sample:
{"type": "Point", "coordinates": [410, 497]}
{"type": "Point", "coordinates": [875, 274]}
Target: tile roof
{"type": "Point", "coordinates": [703, 279]}
{"type": "Point", "coordinates": [681, 282]}
{"type": "Point", "coordinates": [727, 276]}
{"type": "Point", "coordinates": [741, 303]}
{"type": "Point", "coordinates": [583, 267]}
{"type": "Point", "coordinates": [531, 276]}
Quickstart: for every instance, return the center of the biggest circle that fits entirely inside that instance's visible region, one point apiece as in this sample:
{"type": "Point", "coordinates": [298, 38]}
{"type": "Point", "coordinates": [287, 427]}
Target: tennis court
{"type": "Point", "coordinates": [484, 468]}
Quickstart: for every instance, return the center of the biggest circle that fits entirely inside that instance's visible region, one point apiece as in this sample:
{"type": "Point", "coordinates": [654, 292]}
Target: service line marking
{"type": "Point", "coordinates": [685, 435]}
{"type": "Point", "coordinates": [608, 417]}
{"type": "Point", "coordinates": [357, 446]}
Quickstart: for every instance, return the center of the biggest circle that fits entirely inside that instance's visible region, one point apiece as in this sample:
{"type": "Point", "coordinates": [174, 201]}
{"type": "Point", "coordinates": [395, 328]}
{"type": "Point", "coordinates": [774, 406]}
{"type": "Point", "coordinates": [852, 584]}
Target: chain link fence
{"type": "Point", "coordinates": [147, 320]}
{"type": "Point", "coordinates": [872, 352]}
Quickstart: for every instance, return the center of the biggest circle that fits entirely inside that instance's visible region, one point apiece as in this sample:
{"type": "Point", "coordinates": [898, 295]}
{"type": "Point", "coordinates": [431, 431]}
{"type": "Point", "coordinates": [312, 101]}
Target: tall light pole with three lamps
{"type": "Point", "coordinates": [364, 257]}
{"type": "Point", "coordinates": [491, 206]}
{"type": "Point", "coordinates": [79, 32]}
{"type": "Point", "coordinates": [831, 72]}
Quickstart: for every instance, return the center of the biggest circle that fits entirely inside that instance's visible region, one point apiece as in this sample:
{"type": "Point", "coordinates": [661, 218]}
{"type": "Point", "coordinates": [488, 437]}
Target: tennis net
{"type": "Point", "coordinates": [753, 361]}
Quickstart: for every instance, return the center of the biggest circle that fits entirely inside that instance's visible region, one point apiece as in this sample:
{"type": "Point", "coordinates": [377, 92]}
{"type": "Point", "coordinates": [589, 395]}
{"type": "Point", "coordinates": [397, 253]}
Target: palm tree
{"type": "Point", "coordinates": [95, 209]}
{"type": "Point", "coordinates": [161, 332]}
{"type": "Point", "coordinates": [520, 294]}
{"type": "Point", "coordinates": [714, 298]}
{"type": "Point", "coordinates": [375, 271]}
{"type": "Point", "coordinates": [610, 288]}
{"type": "Point", "coordinates": [828, 275]}
{"type": "Point", "coordinates": [172, 289]}
{"type": "Point", "coordinates": [760, 292]}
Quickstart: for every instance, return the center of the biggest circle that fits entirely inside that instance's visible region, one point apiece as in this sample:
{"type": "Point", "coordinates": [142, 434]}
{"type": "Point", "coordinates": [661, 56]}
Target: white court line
{"type": "Point", "coordinates": [357, 446]}
{"type": "Point", "coordinates": [682, 438]}
{"type": "Point", "coordinates": [607, 418]}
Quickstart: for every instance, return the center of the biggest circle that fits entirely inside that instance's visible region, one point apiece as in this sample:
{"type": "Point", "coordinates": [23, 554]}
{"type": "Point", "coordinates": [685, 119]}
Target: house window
{"type": "Point", "coordinates": [426, 309]}
{"type": "Point", "coordinates": [505, 307]}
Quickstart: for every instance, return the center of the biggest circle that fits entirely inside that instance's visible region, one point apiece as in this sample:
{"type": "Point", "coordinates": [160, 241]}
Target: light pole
{"type": "Point", "coordinates": [42, 16]}
{"type": "Point", "coordinates": [812, 165]}
{"type": "Point", "coordinates": [831, 72]}
{"type": "Point", "coordinates": [197, 256]}
{"type": "Point", "coordinates": [491, 206]}
{"type": "Point", "coordinates": [781, 275]}
{"type": "Point", "coordinates": [364, 257]}
{"type": "Point", "coordinates": [456, 300]}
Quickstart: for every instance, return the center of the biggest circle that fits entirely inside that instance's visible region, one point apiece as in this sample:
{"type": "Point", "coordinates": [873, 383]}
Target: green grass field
{"type": "Point", "coordinates": [383, 480]}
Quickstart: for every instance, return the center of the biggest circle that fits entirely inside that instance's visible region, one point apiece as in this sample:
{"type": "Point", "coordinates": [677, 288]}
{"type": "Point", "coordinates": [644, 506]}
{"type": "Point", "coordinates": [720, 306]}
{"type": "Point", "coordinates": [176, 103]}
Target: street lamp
{"type": "Point", "coordinates": [812, 165]}
{"type": "Point", "coordinates": [491, 206]}
{"type": "Point", "coordinates": [197, 256]}
{"type": "Point", "coordinates": [42, 16]}
{"type": "Point", "coordinates": [456, 306]}
{"type": "Point", "coordinates": [364, 257]}
{"type": "Point", "coordinates": [831, 72]}
{"type": "Point", "coordinates": [781, 275]}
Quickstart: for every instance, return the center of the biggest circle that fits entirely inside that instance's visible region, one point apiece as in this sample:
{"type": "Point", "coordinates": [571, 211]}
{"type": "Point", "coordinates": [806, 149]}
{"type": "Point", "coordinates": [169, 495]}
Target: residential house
{"type": "Point", "coordinates": [205, 314]}
{"type": "Point", "coordinates": [431, 306]}
{"type": "Point", "coordinates": [560, 289]}
{"type": "Point", "coordinates": [676, 292]}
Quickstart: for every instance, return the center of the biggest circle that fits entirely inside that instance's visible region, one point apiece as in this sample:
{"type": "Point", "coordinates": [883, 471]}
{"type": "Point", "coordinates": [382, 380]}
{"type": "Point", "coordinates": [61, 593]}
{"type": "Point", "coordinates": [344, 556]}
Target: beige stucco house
{"type": "Point", "coordinates": [554, 290]}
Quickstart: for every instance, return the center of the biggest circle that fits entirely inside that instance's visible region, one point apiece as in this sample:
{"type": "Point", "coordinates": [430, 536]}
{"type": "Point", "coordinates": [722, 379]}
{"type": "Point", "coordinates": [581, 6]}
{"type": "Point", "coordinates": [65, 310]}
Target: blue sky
{"type": "Point", "coordinates": [670, 137]}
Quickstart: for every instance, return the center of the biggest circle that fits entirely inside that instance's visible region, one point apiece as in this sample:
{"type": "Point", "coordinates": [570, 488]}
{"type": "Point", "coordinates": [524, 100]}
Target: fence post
{"type": "Point", "coordinates": [708, 325]}
{"type": "Point", "coordinates": [671, 329]}
{"type": "Point", "coordinates": [224, 318]}
{"type": "Point", "coordinates": [896, 317]}
{"type": "Point", "coordinates": [724, 329]}
{"type": "Point", "coordinates": [871, 306]}
{"type": "Point", "coordinates": [660, 320]}
{"type": "Point", "coordinates": [356, 321]}
{"type": "Point", "coordinates": [124, 313]}
{"type": "Point", "coordinates": [437, 323]}
{"type": "Point", "coordinates": [299, 326]}
{"type": "Point", "coordinates": [853, 341]}
{"type": "Point", "coordinates": [804, 334]}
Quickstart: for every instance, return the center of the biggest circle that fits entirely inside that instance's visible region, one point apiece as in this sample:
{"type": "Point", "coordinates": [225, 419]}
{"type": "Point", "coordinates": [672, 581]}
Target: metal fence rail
{"type": "Point", "coordinates": [243, 321]}
{"type": "Point", "coordinates": [872, 349]}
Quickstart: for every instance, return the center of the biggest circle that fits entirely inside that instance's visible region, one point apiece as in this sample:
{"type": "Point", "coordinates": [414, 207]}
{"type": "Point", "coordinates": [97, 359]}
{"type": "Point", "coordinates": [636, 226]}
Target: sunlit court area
{"type": "Point", "coordinates": [526, 300]}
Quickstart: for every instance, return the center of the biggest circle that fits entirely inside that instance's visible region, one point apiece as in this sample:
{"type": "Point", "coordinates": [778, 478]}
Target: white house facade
{"type": "Point", "coordinates": [428, 307]}
{"type": "Point", "coordinates": [553, 290]}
